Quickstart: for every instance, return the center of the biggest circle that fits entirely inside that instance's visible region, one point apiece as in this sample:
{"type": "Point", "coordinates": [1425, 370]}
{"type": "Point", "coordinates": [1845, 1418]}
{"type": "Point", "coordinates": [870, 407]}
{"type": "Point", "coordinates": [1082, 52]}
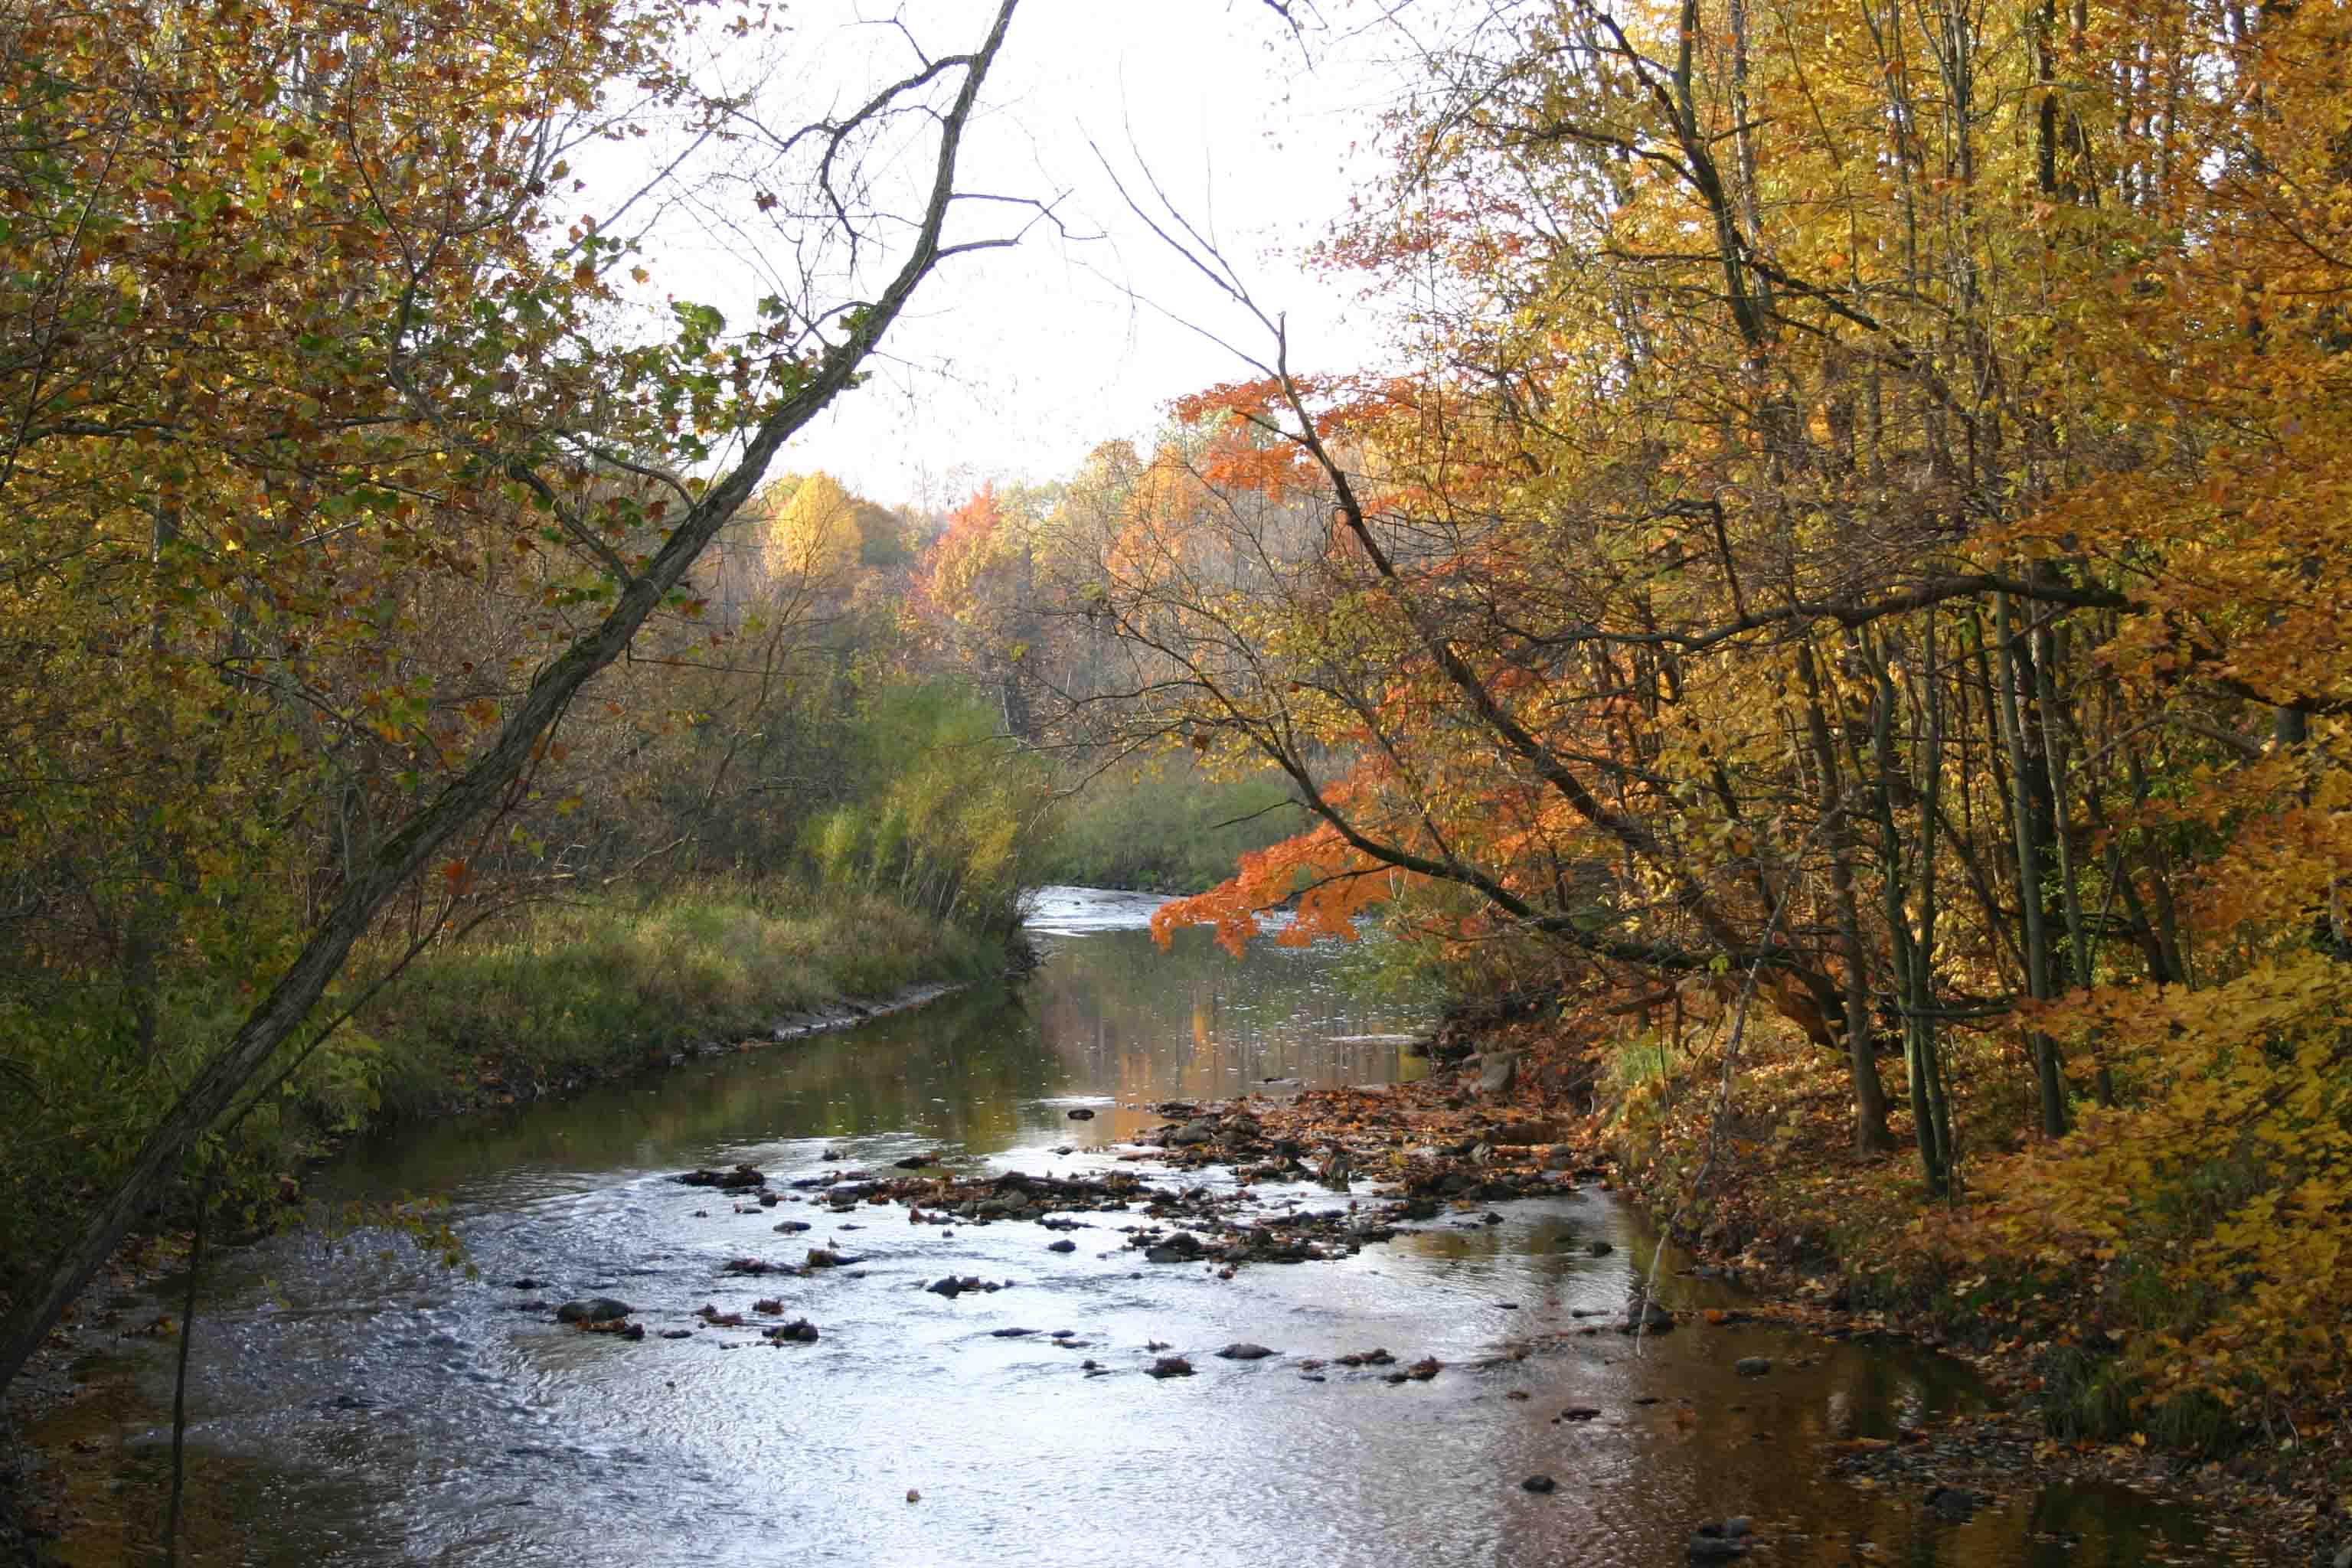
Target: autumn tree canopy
{"type": "Point", "coordinates": [1856, 521]}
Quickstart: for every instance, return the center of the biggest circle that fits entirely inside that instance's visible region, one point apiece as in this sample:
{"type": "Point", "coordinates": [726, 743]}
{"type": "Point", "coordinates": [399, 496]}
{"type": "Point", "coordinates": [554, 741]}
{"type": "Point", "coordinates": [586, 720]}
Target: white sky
{"type": "Point", "coordinates": [1014, 364]}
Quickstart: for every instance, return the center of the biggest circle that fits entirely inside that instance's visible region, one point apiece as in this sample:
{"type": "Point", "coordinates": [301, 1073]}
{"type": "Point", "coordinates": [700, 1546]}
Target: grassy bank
{"type": "Point", "coordinates": [536, 998]}
{"type": "Point", "coordinates": [557, 992]}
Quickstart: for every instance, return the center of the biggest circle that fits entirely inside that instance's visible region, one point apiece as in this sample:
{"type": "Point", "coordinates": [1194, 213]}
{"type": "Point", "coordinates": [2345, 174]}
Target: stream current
{"type": "Point", "coordinates": [355, 1402]}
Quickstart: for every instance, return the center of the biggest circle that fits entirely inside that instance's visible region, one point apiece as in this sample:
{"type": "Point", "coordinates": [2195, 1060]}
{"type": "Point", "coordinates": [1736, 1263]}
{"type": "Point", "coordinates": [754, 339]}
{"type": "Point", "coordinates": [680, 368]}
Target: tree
{"type": "Point", "coordinates": [812, 536]}
{"type": "Point", "coordinates": [440, 366]}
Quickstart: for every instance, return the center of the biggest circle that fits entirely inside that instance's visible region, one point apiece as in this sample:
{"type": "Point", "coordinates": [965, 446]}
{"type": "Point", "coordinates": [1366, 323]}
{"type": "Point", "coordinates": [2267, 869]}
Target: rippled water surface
{"type": "Point", "coordinates": [355, 1402]}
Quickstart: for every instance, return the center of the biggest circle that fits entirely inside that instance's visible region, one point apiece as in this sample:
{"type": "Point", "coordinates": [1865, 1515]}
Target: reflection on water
{"type": "Point", "coordinates": [1113, 1024]}
{"type": "Point", "coordinates": [360, 1405]}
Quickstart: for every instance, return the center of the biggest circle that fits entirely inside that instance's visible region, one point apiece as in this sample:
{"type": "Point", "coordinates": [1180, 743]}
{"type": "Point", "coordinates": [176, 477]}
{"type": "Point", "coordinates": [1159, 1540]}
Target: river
{"type": "Point", "coordinates": [356, 1403]}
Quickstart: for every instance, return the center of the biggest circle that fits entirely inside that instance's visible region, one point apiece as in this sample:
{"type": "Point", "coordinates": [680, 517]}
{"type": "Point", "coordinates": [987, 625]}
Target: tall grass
{"type": "Point", "coordinates": [562, 989]}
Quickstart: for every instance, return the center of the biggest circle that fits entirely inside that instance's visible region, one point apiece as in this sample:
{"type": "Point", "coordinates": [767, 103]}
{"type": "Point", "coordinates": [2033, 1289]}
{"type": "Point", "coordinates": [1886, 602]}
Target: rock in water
{"type": "Point", "coordinates": [1199, 1130]}
{"type": "Point", "coordinates": [1953, 1504]}
{"type": "Point", "coordinates": [1646, 1316]}
{"type": "Point", "coordinates": [1721, 1541]}
{"type": "Point", "coordinates": [1753, 1365]}
{"type": "Point", "coordinates": [1082, 1114]}
{"type": "Point", "coordinates": [1242, 1350]}
{"type": "Point", "coordinates": [1539, 1484]}
{"type": "Point", "coordinates": [592, 1310]}
{"type": "Point", "coordinates": [739, 1177]}
{"type": "Point", "coordinates": [1171, 1366]}
{"type": "Point", "coordinates": [1181, 1247]}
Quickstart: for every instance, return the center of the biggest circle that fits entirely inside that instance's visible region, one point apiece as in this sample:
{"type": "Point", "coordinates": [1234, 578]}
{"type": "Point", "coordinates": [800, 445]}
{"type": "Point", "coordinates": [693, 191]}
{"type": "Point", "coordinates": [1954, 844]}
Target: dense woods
{"type": "Point", "coordinates": [1844, 561]}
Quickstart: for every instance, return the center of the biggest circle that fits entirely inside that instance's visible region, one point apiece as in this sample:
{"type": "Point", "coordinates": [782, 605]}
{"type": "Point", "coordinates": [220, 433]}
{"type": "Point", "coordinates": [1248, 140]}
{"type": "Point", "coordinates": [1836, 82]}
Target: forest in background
{"type": "Point", "coordinates": [1836, 585]}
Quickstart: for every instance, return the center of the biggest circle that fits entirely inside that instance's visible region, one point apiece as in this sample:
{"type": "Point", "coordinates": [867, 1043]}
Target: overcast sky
{"type": "Point", "coordinates": [1016, 364]}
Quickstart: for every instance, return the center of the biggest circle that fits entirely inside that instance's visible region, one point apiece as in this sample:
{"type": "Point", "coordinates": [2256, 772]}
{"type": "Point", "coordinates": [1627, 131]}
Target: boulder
{"type": "Point", "coordinates": [1242, 1350]}
{"type": "Point", "coordinates": [1199, 1130]}
{"type": "Point", "coordinates": [1498, 1071]}
{"type": "Point", "coordinates": [739, 1177]}
{"type": "Point", "coordinates": [1753, 1365]}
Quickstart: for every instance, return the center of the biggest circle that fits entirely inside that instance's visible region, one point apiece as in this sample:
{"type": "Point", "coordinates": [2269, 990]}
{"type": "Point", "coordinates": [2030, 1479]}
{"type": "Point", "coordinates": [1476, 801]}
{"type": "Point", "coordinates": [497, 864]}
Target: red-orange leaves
{"type": "Point", "coordinates": [1317, 879]}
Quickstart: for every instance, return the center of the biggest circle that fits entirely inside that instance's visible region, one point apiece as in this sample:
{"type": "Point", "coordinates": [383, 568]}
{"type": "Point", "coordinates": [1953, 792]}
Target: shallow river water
{"type": "Point", "coordinates": [355, 1402]}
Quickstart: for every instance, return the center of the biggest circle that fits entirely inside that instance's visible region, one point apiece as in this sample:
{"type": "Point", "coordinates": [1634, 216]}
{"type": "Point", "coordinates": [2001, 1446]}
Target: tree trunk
{"type": "Point", "coordinates": [1871, 1135]}
{"type": "Point", "coordinates": [2050, 1084]}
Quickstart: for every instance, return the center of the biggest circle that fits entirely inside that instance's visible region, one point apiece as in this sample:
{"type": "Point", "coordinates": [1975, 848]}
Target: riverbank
{"type": "Point", "coordinates": [563, 994]}
{"type": "Point", "coordinates": [1786, 1213]}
